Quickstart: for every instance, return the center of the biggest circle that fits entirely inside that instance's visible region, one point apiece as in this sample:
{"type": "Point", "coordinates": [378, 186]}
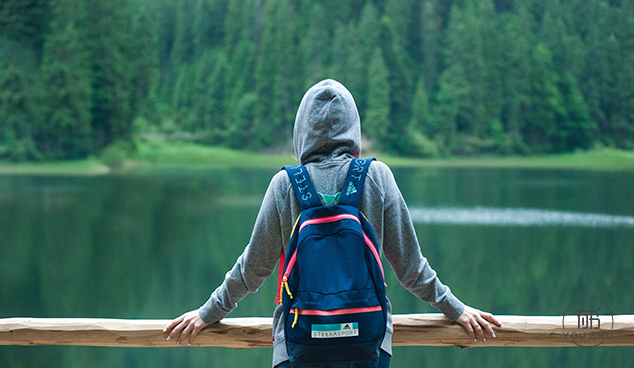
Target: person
{"type": "Point", "coordinates": [326, 137]}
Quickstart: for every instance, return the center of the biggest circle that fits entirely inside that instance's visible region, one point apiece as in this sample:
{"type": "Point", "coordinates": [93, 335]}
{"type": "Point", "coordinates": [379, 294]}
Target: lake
{"type": "Point", "coordinates": [155, 244]}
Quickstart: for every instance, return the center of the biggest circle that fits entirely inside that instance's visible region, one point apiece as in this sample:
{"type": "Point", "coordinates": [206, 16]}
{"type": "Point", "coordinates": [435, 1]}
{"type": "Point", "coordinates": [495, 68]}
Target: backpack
{"type": "Point", "coordinates": [332, 287]}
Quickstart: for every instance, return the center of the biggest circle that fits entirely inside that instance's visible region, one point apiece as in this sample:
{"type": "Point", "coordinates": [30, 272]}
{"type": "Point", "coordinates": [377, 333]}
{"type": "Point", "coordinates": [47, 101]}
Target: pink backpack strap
{"type": "Point", "coordinates": [280, 272]}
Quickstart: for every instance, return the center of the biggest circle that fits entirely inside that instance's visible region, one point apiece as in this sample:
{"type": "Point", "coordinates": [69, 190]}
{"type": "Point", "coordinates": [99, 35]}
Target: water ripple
{"type": "Point", "coordinates": [490, 216]}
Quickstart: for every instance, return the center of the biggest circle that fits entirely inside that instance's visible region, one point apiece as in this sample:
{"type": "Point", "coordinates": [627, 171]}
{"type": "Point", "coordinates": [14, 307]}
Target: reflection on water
{"type": "Point", "coordinates": [487, 216]}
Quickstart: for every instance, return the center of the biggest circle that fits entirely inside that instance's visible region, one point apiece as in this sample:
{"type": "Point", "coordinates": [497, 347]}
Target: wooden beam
{"type": "Point", "coordinates": [409, 330]}
{"type": "Point", "coordinates": [527, 331]}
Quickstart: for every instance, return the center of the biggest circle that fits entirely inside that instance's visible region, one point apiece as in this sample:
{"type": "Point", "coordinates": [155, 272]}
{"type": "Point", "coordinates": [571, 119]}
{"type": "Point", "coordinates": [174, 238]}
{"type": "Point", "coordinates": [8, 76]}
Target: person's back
{"type": "Point", "coordinates": [327, 136]}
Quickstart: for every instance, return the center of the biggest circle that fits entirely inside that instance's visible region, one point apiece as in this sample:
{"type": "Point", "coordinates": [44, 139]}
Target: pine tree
{"type": "Point", "coordinates": [579, 129]}
{"type": "Point", "coordinates": [473, 59]}
{"type": "Point", "coordinates": [67, 78]}
{"type": "Point", "coordinates": [369, 38]}
{"type": "Point", "coordinates": [430, 47]}
{"type": "Point", "coordinates": [23, 25]}
{"type": "Point", "coordinates": [232, 25]}
{"type": "Point", "coordinates": [208, 24]}
{"type": "Point", "coordinates": [466, 50]}
{"type": "Point", "coordinates": [625, 30]}
{"type": "Point", "coordinates": [516, 46]}
{"type": "Point", "coordinates": [620, 55]}
{"type": "Point", "coordinates": [215, 100]}
{"type": "Point", "coordinates": [355, 79]}
{"type": "Point", "coordinates": [110, 31]}
{"type": "Point", "coordinates": [273, 76]}
{"type": "Point", "coordinates": [619, 125]}
{"type": "Point", "coordinates": [203, 26]}
{"type": "Point", "coordinates": [452, 91]}
{"type": "Point", "coordinates": [183, 50]}
{"type": "Point", "coordinates": [420, 120]}
{"type": "Point", "coordinates": [491, 130]}
{"type": "Point", "coordinates": [200, 94]}
{"type": "Point", "coordinates": [593, 81]}
{"type": "Point", "coordinates": [402, 14]}
{"type": "Point", "coordinates": [239, 133]}
{"type": "Point", "coordinates": [417, 139]}
{"type": "Point", "coordinates": [184, 98]}
{"type": "Point", "coordinates": [25, 21]}
{"type": "Point", "coordinates": [240, 82]}
{"type": "Point", "coordinates": [315, 47]}
{"type": "Point", "coordinates": [546, 109]}
{"type": "Point", "coordinates": [165, 14]}
{"type": "Point", "coordinates": [146, 66]}
{"type": "Point", "coordinates": [566, 47]}
{"type": "Point", "coordinates": [377, 119]}
{"type": "Point", "coordinates": [18, 114]}
{"type": "Point", "coordinates": [400, 76]}
{"type": "Point", "coordinates": [340, 50]}
{"type": "Point", "coordinates": [240, 69]}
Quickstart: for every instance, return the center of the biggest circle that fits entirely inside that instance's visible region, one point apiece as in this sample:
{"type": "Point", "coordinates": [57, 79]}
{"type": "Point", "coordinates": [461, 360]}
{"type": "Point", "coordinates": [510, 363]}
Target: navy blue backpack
{"type": "Point", "coordinates": [332, 287]}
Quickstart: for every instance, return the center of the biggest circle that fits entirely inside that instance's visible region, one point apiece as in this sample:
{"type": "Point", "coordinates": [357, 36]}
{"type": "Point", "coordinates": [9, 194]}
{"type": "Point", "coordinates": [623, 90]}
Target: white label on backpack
{"type": "Point", "coordinates": [332, 331]}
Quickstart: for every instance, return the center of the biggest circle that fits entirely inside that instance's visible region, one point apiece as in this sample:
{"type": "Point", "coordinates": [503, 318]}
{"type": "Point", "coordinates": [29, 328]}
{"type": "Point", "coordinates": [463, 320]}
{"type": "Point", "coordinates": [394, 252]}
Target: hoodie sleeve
{"type": "Point", "coordinates": [402, 251]}
{"type": "Point", "coordinates": [254, 265]}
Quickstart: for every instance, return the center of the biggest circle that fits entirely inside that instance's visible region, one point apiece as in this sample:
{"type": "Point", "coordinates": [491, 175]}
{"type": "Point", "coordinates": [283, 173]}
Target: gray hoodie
{"type": "Point", "coordinates": [327, 135]}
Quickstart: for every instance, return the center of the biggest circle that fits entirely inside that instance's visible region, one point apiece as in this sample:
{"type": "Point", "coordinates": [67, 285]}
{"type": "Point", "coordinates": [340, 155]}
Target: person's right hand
{"type": "Point", "coordinates": [189, 323]}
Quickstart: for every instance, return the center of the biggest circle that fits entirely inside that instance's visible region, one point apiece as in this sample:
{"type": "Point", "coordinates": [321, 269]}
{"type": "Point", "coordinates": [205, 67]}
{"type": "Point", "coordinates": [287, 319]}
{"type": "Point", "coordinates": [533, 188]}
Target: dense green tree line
{"type": "Point", "coordinates": [430, 77]}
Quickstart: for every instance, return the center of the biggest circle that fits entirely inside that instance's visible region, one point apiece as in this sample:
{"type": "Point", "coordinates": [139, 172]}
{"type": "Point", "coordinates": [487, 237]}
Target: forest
{"type": "Point", "coordinates": [430, 77]}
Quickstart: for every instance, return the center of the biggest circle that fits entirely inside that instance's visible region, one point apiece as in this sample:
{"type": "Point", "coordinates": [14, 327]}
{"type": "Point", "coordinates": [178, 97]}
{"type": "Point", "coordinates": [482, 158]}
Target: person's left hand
{"type": "Point", "coordinates": [476, 321]}
{"type": "Point", "coordinates": [189, 323]}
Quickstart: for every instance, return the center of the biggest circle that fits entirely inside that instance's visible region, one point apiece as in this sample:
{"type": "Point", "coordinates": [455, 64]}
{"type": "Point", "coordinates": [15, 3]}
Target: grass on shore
{"type": "Point", "coordinates": [604, 159]}
{"type": "Point", "coordinates": [86, 167]}
{"type": "Point", "coordinates": [161, 155]}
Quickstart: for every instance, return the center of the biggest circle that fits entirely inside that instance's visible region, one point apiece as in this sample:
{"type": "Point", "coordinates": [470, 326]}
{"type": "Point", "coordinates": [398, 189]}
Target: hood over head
{"type": "Point", "coordinates": [327, 124]}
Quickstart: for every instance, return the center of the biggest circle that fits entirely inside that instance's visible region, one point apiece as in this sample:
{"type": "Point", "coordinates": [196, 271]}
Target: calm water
{"type": "Point", "coordinates": [524, 242]}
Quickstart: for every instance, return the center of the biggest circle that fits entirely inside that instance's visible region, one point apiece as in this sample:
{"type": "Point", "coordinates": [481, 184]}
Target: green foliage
{"type": "Point", "coordinates": [145, 60]}
{"type": "Point", "coordinates": [110, 47]}
{"type": "Point", "coordinates": [239, 133]}
{"type": "Point", "coordinates": [114, 155]}
{"type": "Point", "coordinates": [450, 77]}
{"type": "Point", "coordinates": [212, 108]}
{"type": "Point", "coordinates": [422, 146]}
{"type": "Point", "coordinates": [420, 120]}
{"type": "Point", "coordinates": [369, 38]}
{"type": "Point", "coordinates": [398, 65]}
{"type": "Point", "coordinates": [315, 46]}
{"type": "Point", "coordinates": [67, 78]}
{"type": "Point", "coordinates": [20, 108]}
{"type": "Point", "coordinates": [25, 20]}
{"type": "Point", "coordinates": [274, 76]}
{"type": "Point", "coordinates": [377, 119]}
{"type": "Point", "coordinates": [430, 43]}
{"type": "Point", "coordinates": [546, 110]}
{"type": "Point", "coordinates": [419, 143]}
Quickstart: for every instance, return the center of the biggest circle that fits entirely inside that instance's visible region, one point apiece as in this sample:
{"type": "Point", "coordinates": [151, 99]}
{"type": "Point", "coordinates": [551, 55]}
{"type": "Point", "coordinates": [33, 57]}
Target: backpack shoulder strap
{"type": "Point", "coordinates": [303, 187]}
{"type": "Point", "coordinates": [353, 186]}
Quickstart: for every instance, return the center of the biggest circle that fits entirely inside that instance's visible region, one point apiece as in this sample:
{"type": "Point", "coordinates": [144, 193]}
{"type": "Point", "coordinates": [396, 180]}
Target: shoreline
{"type": "Point", "coordinates": [153, 157]}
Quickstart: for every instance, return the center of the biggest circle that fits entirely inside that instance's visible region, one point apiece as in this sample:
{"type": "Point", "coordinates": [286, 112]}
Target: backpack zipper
{"type": "Point", "coordinates": [334, 312]}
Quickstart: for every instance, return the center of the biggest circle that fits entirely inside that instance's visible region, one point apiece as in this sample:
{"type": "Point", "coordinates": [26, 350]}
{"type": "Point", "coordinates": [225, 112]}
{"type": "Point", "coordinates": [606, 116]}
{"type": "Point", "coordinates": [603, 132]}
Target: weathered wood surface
{"type": "Point", "coordinates": [528, 331]}
{"type": "Point", "coordinates": [409, 330]}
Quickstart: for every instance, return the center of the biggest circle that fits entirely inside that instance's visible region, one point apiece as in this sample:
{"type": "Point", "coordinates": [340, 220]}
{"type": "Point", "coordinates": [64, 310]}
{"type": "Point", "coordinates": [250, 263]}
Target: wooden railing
{"type": "Point", "coordinates": [409, 330]}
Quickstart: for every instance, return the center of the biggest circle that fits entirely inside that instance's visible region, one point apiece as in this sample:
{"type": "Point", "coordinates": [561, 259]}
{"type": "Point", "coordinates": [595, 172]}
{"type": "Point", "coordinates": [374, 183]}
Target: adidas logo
{"type": "Point", "coordinates": [351, 189]}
